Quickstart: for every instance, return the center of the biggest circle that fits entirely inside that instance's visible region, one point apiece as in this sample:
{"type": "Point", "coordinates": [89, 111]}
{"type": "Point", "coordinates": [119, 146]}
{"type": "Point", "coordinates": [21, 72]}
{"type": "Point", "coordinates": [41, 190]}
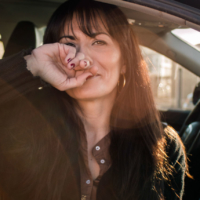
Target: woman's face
{"type": "Point", "coordinates": [103, 52]}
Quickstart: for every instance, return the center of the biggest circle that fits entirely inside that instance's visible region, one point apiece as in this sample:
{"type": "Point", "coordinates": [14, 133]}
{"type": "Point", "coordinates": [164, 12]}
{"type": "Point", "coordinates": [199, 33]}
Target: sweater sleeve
{"type": "Point", "coordinates": [174, 187]}
{"type": "Point", "coordinates": [15, 79]}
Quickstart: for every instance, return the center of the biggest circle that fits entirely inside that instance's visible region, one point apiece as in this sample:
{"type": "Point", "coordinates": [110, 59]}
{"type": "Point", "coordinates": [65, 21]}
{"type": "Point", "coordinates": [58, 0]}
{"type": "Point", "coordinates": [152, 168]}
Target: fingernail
{"type": "Point", "coordinates": [89, 77]}
{"type": "Point", "coordinates": [72, 65]}
{"type": "Point", "coordinates": [69, 60]}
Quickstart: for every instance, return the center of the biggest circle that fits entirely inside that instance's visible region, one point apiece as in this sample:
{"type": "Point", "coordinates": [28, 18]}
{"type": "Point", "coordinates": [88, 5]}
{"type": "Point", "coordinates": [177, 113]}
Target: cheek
{"type": "Point", "coordinates": [113, 64]}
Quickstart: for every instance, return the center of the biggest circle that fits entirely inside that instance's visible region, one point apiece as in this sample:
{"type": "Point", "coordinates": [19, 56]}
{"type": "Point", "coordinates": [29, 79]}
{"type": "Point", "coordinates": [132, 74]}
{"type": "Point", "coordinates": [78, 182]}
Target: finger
{"type": "Point", "coordinates": [76, 61]}
{"type": "Point", "coordinates": [75, 81]}
{"type": "Point", "coordinates": [84, 64]}
{"type": "Point", "coordinates": [67, 53]}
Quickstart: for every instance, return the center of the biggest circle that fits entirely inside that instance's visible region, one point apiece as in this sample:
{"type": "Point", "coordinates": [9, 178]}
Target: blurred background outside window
{"type": "Point", "coordinates": [172, 85]}
{"type": "Point", "coordinates": [1, 48]}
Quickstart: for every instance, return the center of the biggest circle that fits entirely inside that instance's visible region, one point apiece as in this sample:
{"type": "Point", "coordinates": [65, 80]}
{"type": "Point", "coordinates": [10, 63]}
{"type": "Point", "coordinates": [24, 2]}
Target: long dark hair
{"type": "Point", "coordinates": [138, 141]}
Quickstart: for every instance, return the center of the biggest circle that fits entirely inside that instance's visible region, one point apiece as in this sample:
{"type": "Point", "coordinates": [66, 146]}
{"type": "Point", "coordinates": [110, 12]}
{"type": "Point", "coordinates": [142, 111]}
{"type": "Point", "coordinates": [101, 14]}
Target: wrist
{"type": "Point", "coordinates": [31, 65]}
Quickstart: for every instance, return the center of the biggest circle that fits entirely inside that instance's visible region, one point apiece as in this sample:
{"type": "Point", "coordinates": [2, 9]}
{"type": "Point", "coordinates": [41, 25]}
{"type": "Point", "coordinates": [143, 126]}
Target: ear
{"type": "Point", "coordinates": [123, 69]}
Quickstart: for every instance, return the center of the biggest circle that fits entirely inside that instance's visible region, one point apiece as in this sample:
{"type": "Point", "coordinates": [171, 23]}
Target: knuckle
{"type": "Point", "coordinates": [34, 51]}
{"type": "Point", "coordinates": [72, 49]}
{"type": "Point", "coordinates": [56, 44]}
{"type": "Point", "coordinates": [71, 54]}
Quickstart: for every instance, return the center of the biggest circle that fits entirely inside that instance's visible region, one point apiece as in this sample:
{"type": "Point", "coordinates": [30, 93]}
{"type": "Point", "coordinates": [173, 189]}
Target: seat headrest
{"type": "Point", "coordinates": [23, 37]}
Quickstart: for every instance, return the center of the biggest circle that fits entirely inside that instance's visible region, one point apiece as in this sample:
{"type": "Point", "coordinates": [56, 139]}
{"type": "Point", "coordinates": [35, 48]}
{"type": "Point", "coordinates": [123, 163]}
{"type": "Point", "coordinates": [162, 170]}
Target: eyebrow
{"type": "Point", "coordinates": [93, 35]}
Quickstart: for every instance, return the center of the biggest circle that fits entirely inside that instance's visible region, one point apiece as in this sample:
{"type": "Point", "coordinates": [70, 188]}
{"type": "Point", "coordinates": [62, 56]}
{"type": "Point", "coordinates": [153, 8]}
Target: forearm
{"type": "Point", "coordinates": [15, 78]}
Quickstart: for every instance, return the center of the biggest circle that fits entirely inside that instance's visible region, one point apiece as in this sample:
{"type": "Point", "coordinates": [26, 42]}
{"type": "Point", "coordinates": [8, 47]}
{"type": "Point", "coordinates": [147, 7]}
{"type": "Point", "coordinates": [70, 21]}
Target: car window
{"type": "Point", "coordinates": [189, 36]}
{"type": "Point", "coordinates": [1, 48]}
{"type": "Point", "coordinates": [172, 85]}
{"type": "Point", "coordinates": [39, 32]}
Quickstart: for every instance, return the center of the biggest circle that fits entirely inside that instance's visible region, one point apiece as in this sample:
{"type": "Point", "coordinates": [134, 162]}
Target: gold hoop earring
{"type": "Point", "coordinates": [124, 83]}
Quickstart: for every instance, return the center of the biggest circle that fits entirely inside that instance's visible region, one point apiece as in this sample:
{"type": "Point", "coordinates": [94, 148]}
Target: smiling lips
{"type": "Point", "coordinates": [92, 76]}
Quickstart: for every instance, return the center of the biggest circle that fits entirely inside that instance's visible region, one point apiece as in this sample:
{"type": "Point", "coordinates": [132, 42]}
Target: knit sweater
{"type": "Point", "coordinates": [32, 119]}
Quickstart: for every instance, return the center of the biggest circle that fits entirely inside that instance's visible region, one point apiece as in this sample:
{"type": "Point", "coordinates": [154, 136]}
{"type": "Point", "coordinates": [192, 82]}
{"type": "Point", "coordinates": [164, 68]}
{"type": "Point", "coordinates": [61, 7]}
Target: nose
{"type": "Point", "coordinates": [89, 55]}
{"type": "Point", "coordinates": [86, 50]}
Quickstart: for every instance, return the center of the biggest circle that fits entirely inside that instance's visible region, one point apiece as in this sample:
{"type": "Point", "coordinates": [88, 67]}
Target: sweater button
{"type": "Point", "coordinates": [97, 148]}
{"type": "Point", "coordinates": [88, 182]}
{"type": "Point", "coordinates": [102, 161]}
{"type": "Point", "coordinates": [83, 197]}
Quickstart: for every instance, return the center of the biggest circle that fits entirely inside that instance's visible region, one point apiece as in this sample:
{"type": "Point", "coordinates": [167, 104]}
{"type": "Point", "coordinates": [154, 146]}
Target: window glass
{"type": "Point", "coordinates": [172, 85]}
{"type": "Point", "coordinates": [1, 48]}
{"type": "Point", "coordinates": [189, 36]}
{"type": "Point", "coordinates": [39, 32]}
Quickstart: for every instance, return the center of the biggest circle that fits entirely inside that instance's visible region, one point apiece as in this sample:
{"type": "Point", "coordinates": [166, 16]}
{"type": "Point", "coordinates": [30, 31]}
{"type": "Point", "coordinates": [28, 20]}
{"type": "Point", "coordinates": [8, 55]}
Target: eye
{"type": "Point", "coordinates": [99, 42]}
{"type": "Point", "coordinates": [70, 44]}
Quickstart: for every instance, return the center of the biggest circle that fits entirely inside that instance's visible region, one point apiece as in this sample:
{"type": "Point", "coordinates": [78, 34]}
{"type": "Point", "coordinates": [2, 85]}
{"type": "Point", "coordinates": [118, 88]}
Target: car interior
{"type": "Point", "coordinates": [22, 23]}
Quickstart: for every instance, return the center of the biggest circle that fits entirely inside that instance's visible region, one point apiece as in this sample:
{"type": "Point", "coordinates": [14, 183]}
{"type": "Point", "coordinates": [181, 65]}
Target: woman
{"type": "Point", "coordinates": [96, 133]}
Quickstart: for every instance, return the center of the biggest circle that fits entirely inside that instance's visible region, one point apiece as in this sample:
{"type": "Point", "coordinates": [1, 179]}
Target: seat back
{"type": "Point", "coordinates": [23, 37]}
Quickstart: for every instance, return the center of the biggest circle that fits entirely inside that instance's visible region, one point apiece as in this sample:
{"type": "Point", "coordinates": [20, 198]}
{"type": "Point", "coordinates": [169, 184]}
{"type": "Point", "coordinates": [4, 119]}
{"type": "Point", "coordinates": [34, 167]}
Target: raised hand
{"type": "Point", "coordinates": [57, 64]}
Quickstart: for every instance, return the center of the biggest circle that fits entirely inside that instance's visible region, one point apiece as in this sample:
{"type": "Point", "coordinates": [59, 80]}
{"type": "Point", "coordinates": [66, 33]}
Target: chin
{"type": "Point", "coordinates": [91, 92]}
{"type": "Point", "coordinates": [94, 88]}
{"type": "Point", "coordinates": [85, 94]}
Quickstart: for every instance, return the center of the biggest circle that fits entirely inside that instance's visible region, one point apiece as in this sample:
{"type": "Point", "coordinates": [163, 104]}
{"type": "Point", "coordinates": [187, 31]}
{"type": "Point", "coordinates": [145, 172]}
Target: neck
{"type": "Point", "coordinates": [96, 117]}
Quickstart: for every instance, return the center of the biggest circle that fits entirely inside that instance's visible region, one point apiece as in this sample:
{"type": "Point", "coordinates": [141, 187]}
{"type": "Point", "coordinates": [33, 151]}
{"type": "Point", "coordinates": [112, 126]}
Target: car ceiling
{"type": "Point", "coordinates": [192, 3]}
{"type": "Point", "coordinates": [39, 12]}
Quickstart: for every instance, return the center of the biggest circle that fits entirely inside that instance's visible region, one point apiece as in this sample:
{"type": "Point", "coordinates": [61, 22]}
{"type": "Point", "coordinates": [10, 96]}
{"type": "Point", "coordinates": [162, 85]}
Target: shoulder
{"type": "Point", "coordinates": [177, 164]}
{"type": "Point", "coordinates": [174, 147]}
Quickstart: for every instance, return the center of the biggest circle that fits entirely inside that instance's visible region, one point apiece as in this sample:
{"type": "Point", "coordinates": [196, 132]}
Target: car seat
{"type": "Point", "coordinates": [23, 37]}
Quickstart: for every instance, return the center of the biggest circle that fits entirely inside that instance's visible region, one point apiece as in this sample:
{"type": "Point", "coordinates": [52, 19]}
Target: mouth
{"type": "Point", "coordinates": [90, 77]}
